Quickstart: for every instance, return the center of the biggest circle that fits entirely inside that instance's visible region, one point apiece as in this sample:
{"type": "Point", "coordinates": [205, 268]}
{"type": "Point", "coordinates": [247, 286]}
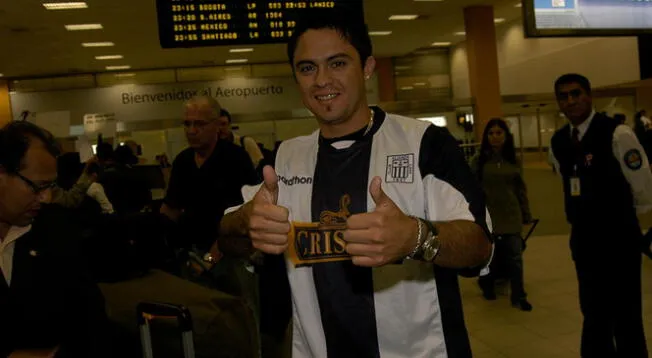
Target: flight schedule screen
{"type": "Point", "coordinates": [593, 14]}
{"type": "Point", "coordinates": [194, 23]}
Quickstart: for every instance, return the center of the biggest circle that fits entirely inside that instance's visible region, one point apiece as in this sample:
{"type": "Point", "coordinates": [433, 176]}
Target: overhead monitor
{"type": "Point", "coordinates": [195, 23]}
{"type": "Point", "coordinates": [587, 17]}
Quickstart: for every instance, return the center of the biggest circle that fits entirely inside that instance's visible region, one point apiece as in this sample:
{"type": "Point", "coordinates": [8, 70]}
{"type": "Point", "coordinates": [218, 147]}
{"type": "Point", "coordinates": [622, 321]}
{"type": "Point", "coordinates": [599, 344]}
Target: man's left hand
{"type": "Point", "coordinates": [383, 236]}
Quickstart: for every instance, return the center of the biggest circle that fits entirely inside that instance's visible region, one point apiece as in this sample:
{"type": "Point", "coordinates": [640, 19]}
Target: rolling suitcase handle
{"type": "Point", "coordinates": [533, 226]}
{"type": "Point", "coordinates": [148, 311]}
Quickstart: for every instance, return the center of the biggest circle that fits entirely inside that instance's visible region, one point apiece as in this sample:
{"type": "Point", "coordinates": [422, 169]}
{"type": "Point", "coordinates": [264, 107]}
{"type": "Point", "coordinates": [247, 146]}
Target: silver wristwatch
{"type": "Point", "coordinates": [431, 245]}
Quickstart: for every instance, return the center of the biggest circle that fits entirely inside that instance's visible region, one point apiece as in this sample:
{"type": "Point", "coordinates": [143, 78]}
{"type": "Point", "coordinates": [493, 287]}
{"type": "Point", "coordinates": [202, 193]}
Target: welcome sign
{"type": "Point", "coordinates": [164, 102]}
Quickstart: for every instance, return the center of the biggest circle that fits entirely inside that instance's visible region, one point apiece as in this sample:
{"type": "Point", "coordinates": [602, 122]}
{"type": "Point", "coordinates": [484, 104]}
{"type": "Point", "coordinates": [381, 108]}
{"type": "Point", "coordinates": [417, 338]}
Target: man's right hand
{"type": "Point", "coordinates": [269, 223]}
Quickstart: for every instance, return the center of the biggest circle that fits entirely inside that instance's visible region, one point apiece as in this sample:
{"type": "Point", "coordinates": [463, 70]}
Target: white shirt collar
{"type": "Point", "coordinates": [582, 128]}
{"type": "Point", "coordinates": [7, 250]}
{"type": "Point", "coordinates": [14, 233]}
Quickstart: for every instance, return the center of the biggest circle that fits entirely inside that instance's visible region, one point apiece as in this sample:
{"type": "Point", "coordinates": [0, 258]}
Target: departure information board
{"type": "Point", "coordinates": [194, 23]}
{"type": "Point", "coordinates": [587, 17]}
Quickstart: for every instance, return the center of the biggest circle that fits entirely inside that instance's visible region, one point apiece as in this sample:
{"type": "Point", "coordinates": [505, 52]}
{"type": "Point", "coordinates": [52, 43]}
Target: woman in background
{"type": "Point", "coordinates": [501, 176]}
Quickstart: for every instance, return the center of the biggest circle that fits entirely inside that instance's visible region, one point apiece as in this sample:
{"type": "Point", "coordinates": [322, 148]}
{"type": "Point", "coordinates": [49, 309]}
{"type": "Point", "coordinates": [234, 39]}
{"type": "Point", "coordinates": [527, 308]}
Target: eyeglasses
{"type": "Point", "coordinates": [37, 189]}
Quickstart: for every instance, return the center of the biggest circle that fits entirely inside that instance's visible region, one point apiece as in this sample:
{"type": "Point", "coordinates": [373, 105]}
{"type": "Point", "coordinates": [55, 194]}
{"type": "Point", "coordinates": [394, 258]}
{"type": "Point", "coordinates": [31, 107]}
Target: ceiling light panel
{"type": "Point", "coordinates": [98, 44]}
{"type": "Point", "coordinates": [109, 57]}
{"type": "Point", "coordinates": [82, 27]}
{"type": "Point", "coordinates": [65, 5]}
{"type": "Point", "coordinates": [403, 17]}
{"type": "Point", "coordinates": [241, 50]}
{"type": "Point", "coordinates": [380, 33]}
{"type": "Point", "coordinates": [115, 68]}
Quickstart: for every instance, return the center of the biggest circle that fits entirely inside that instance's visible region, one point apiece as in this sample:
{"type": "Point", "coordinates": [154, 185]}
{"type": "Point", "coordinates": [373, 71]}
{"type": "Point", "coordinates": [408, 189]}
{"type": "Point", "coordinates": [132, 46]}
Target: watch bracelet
{"type": "Point", "coordinates": [417, 249]}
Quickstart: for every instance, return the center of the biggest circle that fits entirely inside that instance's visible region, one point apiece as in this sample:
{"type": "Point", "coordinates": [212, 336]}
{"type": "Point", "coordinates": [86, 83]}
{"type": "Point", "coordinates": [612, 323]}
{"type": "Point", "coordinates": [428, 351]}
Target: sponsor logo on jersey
{"type": "Point", "coordinates": [400, 168]}
{"type": "Point", "coordinates": [312, 243]}
{"type": "Point", "coordinates": [295, 180]}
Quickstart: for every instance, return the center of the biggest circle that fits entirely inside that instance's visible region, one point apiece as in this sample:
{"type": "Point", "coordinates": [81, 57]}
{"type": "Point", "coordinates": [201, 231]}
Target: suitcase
{"type": "Point", "coordinates": [150, 311]}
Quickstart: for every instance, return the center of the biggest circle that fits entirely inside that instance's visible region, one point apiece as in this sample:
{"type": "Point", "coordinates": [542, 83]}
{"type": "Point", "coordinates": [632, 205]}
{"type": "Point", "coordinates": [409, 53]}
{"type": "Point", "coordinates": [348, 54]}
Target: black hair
{"type": "Point", "coordinates": [620, 118]}
{"type": "Point", "coordinates": [104, 151]}
{"type": "Point", "coordinates": [349, 25]}
{"type": "Point", "coordinates": [571, 78]}
{"type": "Point", "coordinates": [225, 113]}
{"type": "Point", "coordinates": [15, 139]}
{"type": "Point", "coordinates": [125, 156]}
{"type": "Point", "coordinates": [508, 151]}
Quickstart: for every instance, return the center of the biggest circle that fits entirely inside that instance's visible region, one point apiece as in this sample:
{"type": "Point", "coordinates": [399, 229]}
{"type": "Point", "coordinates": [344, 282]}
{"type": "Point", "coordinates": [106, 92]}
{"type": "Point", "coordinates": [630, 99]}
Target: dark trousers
{"type": "Point", "coordinates": [610, 298]}
{"type": "Point", "coordinates": [508, 263]}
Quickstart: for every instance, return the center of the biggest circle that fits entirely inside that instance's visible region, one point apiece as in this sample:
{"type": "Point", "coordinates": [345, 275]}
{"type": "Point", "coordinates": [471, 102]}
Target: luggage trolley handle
{"type": "Point", "coordinates": [533, 226]}
{"type": "Point", "coordinates": [148, 311]}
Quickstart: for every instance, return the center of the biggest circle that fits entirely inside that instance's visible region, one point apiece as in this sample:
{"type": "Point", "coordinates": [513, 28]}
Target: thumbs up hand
{"type": "Point", "coordinates": [383, 236]}
{"type": "Point", "coordinates": [269, 223]}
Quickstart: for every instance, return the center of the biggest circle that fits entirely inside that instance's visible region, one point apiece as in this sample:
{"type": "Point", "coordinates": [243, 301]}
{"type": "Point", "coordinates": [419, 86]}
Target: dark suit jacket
{"type": "Point", "coordinates": [51, 300]}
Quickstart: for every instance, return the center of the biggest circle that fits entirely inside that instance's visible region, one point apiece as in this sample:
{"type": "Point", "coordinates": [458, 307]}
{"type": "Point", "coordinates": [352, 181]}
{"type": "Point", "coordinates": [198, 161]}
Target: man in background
{"type": "Point", "coordinates": [607, 180]}
{"type": "Point", "coordinates": [48, 305]}
{"type": "Point", "coordinates": [206, 178]}
{"type": "Point", "coordinates": [248, 143]}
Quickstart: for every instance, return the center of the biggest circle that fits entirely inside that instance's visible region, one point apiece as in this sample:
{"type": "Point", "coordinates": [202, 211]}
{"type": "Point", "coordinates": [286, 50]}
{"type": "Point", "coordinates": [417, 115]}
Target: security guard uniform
{"type": "Point", "coordinates": [606, 179]}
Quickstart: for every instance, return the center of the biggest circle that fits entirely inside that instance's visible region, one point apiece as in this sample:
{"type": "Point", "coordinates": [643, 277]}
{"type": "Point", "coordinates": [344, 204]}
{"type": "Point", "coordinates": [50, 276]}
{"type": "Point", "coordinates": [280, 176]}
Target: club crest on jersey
{"type": "Point", "coordinates": [313, 243]}
{"type": "Point", "coordinates": [400, 169]}
{"type": "Point", "coordinates": [633, 159]}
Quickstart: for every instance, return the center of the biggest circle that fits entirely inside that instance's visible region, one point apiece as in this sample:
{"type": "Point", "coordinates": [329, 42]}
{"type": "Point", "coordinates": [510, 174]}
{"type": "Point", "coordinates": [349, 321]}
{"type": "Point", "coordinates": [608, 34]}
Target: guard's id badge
{"type": "Point", "coordinates": [575, 187]}
{"type": "Point", "coordinates": [314, 243]}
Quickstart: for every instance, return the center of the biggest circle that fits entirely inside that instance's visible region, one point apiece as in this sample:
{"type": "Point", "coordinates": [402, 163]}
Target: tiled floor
{"type": "Point", "coordinates": [552, 329]}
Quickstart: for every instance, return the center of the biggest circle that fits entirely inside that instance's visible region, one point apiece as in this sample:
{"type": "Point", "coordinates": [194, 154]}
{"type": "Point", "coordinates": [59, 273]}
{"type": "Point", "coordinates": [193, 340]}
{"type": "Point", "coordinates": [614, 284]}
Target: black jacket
{"type": "Point", "coordinates": [51, 300]}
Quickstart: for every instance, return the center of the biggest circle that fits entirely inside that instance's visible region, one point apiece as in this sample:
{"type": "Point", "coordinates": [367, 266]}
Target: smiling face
{"type": "Point", "coordinates": [575, 102]}
{"type": "Point", "coordinates": [331, 78]}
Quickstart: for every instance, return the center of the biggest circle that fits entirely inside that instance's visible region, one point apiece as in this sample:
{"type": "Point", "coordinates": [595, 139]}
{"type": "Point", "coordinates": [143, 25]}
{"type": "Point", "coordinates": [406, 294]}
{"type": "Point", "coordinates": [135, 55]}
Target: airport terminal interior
{"type": "Point", "coordinates": [118, 73]}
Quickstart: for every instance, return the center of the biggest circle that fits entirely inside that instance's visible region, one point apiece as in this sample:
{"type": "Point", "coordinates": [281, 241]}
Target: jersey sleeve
{"type": "Point", "coordinates": [248, 192]}
{"type": "Point", "coordinates": [452, 191]}
{"type": "Point", "coordinates": [634, 165]}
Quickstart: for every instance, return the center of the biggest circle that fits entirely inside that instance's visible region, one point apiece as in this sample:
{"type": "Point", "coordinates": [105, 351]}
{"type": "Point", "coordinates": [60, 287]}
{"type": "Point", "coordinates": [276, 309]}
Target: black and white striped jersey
{"type": "Point", "coordinates": [407, 309]}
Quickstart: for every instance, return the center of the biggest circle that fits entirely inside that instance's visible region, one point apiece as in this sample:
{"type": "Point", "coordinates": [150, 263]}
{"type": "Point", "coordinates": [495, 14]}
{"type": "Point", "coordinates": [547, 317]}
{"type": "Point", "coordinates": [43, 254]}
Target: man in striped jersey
{"type": "Point", "coordinates": [375, 213]}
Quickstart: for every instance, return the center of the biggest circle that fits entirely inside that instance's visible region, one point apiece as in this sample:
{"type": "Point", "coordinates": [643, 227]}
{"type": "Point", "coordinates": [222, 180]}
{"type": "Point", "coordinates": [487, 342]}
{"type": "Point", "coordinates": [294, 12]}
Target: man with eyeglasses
{"type": "Point", "coordinates": [607, 180]}
{"type": "Point", "coordinates": [206, 178]}
{"type": "Point", "coordinates": [48, 305]}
